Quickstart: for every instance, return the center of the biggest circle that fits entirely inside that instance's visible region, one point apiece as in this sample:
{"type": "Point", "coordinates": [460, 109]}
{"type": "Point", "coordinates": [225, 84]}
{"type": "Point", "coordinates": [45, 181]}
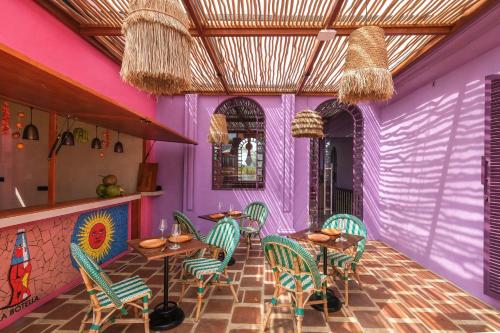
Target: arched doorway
{"type": "Point", "coordinates": [326, 196]}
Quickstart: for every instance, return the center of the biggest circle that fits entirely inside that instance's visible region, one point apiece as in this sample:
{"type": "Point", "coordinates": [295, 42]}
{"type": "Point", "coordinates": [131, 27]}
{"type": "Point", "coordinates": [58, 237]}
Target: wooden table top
{"type": "Point", "coordinates": [226, 214]}
{"type": "Point", "coordinates": [151, 254]}
{"type": "Point", "coordinates": [351, 240]}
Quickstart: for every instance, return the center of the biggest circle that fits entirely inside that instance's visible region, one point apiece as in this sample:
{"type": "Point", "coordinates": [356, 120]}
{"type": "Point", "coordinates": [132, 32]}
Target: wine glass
{"type": "Point", "coordinates": [220, 207]}
{"type": "Point", "coordinates": [230, 208]}
{"type": "Point", "coordinates": [176, 231]}
{"type": "Point", "coordinates": [163, 226]}
{"type": "Point", "coordinates": [342, 225]}
{"type": "Point", "coordinates": [309, 225]}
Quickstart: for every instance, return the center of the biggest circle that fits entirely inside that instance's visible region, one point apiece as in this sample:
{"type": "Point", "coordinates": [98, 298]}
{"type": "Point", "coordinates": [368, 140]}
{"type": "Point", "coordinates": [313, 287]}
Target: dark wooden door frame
{"type": "Point", "coordinates": [327, 110]}
{"type": "Point", "coordinates": [490, 182]}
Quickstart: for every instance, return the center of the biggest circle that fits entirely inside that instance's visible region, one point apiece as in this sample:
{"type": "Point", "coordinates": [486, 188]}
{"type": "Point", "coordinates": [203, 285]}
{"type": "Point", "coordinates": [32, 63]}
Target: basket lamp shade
{"type": "Point", "coordinates": [118, 145]}
{"type": "Point", "coordinates": [157, 51]}
{"type": "Point", "coordinates": [96, 142]}
{"type": "Point", "coordinates": [30, 132]}
{"type": "Point", "coordinates": [218, 129]}
{"type": "Point", "coordinates": [307, 124]}
{"type": "Point", "coordinates": [366, 75]}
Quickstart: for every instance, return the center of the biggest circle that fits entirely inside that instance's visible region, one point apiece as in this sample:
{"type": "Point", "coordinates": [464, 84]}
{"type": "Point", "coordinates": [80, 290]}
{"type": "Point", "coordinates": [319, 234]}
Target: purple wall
{"type": "Point", "coordinates": [431, 196]}
{"type": "Point", "coordinates": [170, 156]}
{"type": "Point", "coordinates": [186, 175]}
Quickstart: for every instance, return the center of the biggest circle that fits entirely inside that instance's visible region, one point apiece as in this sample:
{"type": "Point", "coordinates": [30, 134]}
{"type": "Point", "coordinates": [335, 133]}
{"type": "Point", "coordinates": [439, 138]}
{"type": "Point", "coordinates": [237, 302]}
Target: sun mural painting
{"type": "Point", "coordinates": [96, 235]}
{"type": "Point", "coordinates": [102, 234]}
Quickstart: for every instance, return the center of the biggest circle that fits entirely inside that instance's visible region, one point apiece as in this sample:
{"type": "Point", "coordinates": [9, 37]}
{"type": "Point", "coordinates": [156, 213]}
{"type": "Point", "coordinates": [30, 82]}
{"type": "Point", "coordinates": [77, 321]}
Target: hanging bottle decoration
{"type": "Point", "coordinates": [5, 119]}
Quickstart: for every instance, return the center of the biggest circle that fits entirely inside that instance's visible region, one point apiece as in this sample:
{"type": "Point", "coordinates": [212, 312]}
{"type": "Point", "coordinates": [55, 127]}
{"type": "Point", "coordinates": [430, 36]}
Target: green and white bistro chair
{"type": "Point", "coordinates": [251, 226]}
{"type": "Point", "coordinates": [346, 264]}
{"type": "Point", "coordinates": [187, 227]}
{"type": "Point", "coordinates": [208, 272]}
{"type": "Point", "coordinates": [109, 301]}
{"type": "Point", "coordinates": [296, 272]}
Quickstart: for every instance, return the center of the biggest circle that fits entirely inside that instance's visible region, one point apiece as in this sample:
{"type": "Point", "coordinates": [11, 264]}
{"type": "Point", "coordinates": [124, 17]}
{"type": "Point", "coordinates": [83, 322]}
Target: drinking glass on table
{"type": "Point", "coordinates": [309, 225]}
{"type": "Point", "coordinates": [342, 226]}
{"type": "Point", "coordinates": [230, 208]}
{"type": "Point", "coordinates": [163, 226]}
{"type": "Point", "coordinates": [176, 231]}
{"type": "Point", "coordinates": [220, 207]}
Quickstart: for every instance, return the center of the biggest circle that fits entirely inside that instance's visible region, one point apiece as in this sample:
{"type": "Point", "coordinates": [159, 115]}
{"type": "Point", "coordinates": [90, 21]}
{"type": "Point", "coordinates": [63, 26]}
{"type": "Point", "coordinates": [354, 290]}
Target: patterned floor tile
{"type": "Point", "coordinates": [396, 295]}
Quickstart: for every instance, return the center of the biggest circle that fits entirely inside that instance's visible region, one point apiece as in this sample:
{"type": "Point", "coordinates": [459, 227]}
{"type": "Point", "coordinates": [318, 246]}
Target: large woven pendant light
{"type": "Point", "coordinates": [366, 75]}
{"type": "Point", "coordinates": [157, 51]}
{"type": "Point", "coordinates": [307, 124]}
{"type": "Point", "coordinates": [218, 129]}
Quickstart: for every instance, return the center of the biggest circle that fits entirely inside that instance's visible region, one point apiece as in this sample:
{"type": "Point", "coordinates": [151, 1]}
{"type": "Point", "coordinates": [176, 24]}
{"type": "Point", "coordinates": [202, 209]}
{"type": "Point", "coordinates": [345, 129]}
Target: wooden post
{"type": "Point", "coordinates": [52, 161]}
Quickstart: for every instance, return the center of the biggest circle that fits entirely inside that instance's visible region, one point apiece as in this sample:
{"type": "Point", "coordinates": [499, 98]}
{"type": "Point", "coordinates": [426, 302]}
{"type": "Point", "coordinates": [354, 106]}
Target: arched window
{"type": "Point", "coordinates": [240, 163]}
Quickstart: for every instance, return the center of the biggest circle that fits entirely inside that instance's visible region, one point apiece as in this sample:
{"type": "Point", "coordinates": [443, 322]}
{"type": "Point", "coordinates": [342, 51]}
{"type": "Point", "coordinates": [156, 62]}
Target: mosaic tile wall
{"type": "Point", "coordinates": [35, 259]}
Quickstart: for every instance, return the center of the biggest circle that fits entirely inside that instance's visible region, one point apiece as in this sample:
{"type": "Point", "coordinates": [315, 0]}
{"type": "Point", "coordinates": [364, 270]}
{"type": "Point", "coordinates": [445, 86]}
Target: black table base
{"type": "Point", "coordinates": [334, 303]}
{"type": "Point", "coordinates": [231, 261]}
{"type": "Point", "coordinates": [166, 315]}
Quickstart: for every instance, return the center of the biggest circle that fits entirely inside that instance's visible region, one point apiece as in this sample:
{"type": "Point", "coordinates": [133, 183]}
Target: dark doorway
{"type": "Point", "coordinates": [335, 167]}
{"type": "Point", "coordinates": [336, 163]}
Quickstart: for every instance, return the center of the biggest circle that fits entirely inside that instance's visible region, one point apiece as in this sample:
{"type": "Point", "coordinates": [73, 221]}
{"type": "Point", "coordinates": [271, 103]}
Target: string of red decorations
{"type": "Point", "coordinates": [5, 118]}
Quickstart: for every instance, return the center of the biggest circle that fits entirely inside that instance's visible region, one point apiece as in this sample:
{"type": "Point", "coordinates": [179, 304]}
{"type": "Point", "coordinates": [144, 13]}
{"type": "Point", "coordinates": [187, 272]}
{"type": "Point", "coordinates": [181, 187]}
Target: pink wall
{"type": "Point", "coordinates": [187, 181]}
{"type": "Point", "coordinates": [431, 196]}
{"type": "Point", "coordinates": [31, 30]}
{"type": "Point", "coordinates": [34, 32]}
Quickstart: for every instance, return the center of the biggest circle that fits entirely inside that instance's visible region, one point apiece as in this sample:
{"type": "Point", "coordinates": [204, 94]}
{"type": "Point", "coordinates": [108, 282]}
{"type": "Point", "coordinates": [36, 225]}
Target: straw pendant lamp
{"type": "Point", "coordinates": [157, 51]}
{"type": "Point", "coordinates": [366, 75]}
{"type": "Point", "coordinates": [217, 133]}
{"type": "Point", "coordinates": [307, 124]}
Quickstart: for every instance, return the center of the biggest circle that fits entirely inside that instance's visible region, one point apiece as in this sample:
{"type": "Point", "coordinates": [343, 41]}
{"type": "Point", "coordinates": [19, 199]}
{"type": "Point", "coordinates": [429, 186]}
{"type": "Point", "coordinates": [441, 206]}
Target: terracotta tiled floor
{"type": "Point", "coordinates": [398, 295]}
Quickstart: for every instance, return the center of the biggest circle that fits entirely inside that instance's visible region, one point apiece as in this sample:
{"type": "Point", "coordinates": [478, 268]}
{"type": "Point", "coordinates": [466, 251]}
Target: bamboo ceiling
{"type": "Point", "coordinates": [270, 46]}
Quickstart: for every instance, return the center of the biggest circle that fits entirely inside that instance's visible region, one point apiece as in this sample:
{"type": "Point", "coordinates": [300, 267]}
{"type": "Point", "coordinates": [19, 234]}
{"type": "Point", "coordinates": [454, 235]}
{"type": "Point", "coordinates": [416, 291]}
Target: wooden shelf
{"type": "Point", "coordinates": [27, 82]}
{"type": "Point", "coordinates": [152, 194]}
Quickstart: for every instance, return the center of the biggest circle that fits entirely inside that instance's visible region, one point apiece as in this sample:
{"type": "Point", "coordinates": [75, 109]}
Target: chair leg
{"type": "Point", "coordinates": [249, 244]}
{"type": "Point", "coordinates": [346, 289]}
{"type": "Point", "coordinates": [200, 299]}
{"type": "Point", "coordinates": [325, 302]}
{"type": "Point", "coordinates": [145, 313]}
{"type": "Point", "coordinates": [96, 326]}
{"type": "Point", "coordinates": [358, 279]}
{"type": "Point", "coordinates": [183, 286]}
{"type": "Point", "coordinates": [274, 301]}
{"type": "Point", "coordinates": [234, 293]}
{"type": "Point", "coordinates": [299, 311]}
{"type": "Point", "coordinates": [82, 325]}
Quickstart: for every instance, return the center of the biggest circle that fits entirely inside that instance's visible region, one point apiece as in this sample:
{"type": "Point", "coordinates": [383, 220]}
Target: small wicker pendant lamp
{"type": "Point", "coordinates": [307, 124]}
{"type": "Point", "coordinates": [218, 129]}
{"type": "Point", "coordinates": [366, 76]}
{"type": "Point", "coordinates": [157, 51]}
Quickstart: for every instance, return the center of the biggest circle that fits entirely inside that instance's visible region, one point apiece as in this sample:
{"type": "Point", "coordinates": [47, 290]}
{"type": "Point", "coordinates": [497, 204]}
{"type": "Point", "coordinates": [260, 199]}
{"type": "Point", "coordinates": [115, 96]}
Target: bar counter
{"type": "Point", "coordinates": [36, 265]}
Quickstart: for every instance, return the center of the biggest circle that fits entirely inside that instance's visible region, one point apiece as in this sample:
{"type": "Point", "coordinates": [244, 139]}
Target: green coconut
{"type": "Point", "coordinates": [113, 191]}
{"type": "Point", "coordinates": [101, 190]}
{"type": "Point", "coordinates": [109, 180]}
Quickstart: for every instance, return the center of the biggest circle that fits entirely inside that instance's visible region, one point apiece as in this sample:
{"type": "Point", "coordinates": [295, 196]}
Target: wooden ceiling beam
{"type": "Point", "coordinates": [331, 17]}
{"type": "Point", "coordinates": [473, 13]}
{"type": "Point", "coordinates": [206, 43]}
{"type": "Point", "coordinates": [390, 29]}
